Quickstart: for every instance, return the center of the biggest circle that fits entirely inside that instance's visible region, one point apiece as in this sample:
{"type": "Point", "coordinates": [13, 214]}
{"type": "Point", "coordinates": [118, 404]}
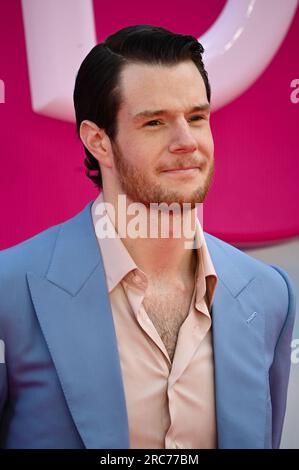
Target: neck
{"type": "Point", "coordinates": [164, 257]}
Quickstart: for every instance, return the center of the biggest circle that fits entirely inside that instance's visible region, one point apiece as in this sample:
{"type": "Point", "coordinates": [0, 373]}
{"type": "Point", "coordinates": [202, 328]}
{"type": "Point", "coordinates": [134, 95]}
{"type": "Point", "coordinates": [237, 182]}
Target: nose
{"type": "Point", "coordinates": [183, 141]}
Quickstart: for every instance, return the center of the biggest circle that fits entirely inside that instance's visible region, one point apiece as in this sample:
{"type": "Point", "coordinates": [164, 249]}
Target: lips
{"type": "Point", "coordinates": [182, 169]}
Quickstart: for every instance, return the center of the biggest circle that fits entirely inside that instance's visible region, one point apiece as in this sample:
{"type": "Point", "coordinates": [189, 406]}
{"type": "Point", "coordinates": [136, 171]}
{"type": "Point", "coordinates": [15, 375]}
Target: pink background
{"type": "Point", "coordinates": [255, 192]}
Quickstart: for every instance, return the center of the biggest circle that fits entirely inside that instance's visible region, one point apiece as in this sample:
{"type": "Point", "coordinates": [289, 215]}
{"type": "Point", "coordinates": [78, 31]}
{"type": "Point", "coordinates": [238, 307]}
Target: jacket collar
{"type": "Point", "coordinates": [241, 384]}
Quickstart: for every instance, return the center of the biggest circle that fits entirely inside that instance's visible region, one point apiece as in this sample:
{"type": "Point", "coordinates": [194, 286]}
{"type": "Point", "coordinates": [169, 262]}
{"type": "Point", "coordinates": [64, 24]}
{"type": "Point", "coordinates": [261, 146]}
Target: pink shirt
{"type": "Point", "coordinates": [169, 405]}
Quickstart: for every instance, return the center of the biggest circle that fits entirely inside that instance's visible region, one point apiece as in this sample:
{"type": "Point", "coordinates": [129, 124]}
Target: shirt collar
{"type": "Point", "coordinates": [119, 264]}
{"type": "Point", "coordinates": [116, 258]}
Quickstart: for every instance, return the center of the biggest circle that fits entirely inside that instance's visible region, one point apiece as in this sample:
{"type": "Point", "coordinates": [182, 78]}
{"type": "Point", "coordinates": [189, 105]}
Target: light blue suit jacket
{"type": "Point", "coordinates": [61, 384]}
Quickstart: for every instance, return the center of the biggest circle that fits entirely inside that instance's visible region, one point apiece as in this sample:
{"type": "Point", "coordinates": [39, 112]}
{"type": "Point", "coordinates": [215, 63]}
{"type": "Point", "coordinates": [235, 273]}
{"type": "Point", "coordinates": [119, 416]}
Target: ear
{"type": "Point", "coordinates": [97, 142]}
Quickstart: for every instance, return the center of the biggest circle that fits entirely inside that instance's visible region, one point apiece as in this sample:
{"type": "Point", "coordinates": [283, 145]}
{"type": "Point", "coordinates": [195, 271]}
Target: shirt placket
{"type": "Point", "coordinates": [191, 334]}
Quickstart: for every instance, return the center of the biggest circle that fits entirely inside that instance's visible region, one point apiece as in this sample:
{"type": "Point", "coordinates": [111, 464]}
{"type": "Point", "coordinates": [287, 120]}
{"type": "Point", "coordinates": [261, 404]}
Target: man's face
{"type": "Point", "coordinates": [152, 149]}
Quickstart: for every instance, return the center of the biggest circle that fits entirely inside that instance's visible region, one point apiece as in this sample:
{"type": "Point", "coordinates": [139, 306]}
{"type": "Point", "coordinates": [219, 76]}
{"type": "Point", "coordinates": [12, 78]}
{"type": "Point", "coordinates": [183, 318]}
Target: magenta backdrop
{"type": "Point", "coordinates": [255, 192]}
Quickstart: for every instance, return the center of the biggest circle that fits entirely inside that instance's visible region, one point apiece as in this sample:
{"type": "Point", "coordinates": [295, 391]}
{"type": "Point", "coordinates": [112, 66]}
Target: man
{"type": "Point", "coordinates": [118, 341]}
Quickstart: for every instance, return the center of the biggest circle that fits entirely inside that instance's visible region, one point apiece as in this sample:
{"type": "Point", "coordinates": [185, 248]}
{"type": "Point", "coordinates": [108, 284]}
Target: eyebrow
{"type": "Point", "coordinates": [152, 113]}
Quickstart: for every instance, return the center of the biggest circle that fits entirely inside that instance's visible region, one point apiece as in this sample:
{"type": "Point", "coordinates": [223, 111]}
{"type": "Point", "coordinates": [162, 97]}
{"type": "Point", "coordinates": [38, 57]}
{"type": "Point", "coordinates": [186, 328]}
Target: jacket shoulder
{"type": "Point", "coordinates": [276, 287]}
{"type": "Point", "coordinates": [33, 253]}
{"type": "Point", "coordinates": [244, 261]}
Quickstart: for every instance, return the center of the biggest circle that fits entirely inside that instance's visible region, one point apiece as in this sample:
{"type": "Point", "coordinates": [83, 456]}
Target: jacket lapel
{"type": "Point", "coordinates": [241, 384]}
{"type": "Point", "coordinates": [74, 312]}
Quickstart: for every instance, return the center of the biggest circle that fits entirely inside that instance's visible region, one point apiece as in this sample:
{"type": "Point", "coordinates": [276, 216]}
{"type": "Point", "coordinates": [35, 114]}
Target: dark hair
{"type": "Point", "coordinates": [97, 94]}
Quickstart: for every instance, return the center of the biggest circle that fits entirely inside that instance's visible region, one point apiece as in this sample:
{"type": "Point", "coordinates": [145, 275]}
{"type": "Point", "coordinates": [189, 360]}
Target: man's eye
{"type": "Point", "coordinates": [153, 123]}
{"type": "Point", "coordinates": [196, 118]}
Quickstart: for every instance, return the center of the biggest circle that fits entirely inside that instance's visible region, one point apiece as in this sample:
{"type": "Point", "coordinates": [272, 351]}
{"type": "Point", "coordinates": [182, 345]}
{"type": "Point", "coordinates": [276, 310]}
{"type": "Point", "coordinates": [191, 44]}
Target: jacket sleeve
{"type": "Point", "coordinates": [280, 368]}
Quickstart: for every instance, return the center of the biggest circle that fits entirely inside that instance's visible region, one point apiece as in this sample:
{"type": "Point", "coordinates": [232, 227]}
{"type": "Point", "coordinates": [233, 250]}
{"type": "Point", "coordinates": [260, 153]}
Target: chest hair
{"type": "Point", "coordinates": [167, 308]}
